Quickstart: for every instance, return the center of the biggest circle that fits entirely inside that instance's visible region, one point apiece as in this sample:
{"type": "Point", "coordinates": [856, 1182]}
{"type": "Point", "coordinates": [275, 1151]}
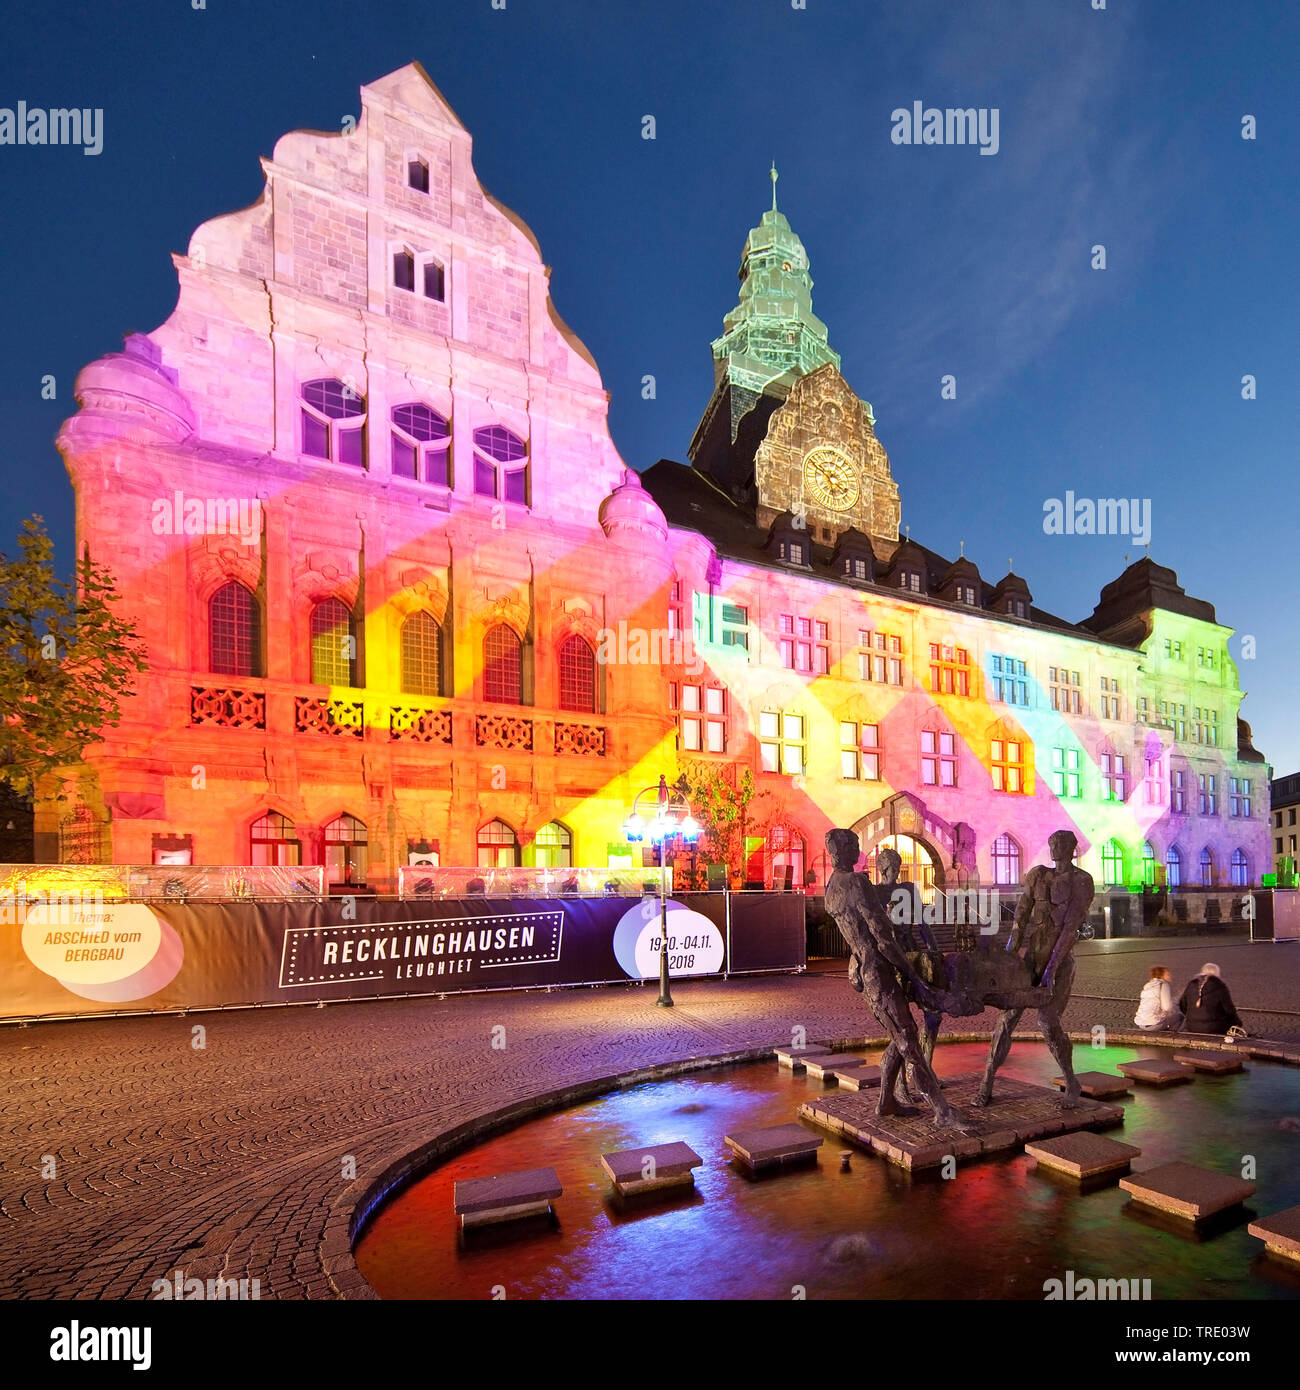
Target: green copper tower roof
{"type": "Point", "coordinates": [773, 331]}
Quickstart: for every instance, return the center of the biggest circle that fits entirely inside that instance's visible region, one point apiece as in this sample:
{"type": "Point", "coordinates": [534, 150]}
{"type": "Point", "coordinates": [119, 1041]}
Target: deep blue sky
{"type": "Point", "coordinates": [1119, 126]}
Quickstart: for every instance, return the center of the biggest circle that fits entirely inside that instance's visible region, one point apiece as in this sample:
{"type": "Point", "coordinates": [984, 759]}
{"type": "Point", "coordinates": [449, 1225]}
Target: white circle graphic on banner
{"type": "Point", "coordinates": [91, 944]}
{"type": "Point", "coordinates": [695, 945]}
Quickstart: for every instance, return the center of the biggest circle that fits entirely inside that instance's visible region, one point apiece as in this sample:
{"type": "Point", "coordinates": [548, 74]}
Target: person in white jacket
{"type": "Point", "coordinates": [1156, 1007]}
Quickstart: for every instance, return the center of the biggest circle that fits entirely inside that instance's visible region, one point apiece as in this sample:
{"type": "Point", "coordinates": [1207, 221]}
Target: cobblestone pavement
{"type": "Point", "coordinates": [127, 1152]}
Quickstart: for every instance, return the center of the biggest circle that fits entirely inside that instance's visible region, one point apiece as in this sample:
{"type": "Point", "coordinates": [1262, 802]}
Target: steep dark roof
{"type": "Point", "coordinates": [690, 501]}
{"type": "Point", "coordinates": [1142, 587]}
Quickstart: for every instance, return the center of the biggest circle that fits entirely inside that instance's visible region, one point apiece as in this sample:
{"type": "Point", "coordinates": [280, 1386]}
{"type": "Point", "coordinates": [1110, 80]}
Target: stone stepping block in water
{"type": "Point", "coordinates": [1185, 1190]}
{"type": "Point", "coordinates": [1155, 1071]}
{"type": "Point", "coordinates": [505, 1197]}
{"type": "Point", "coordinates": [770, 1147]}
{"type": "Point", "coordinates": [1218, 1063]}
{"type": "Point", "coordinates": [651, 1169]}
{"type": "Point", "coordinates": [1280, 1233]}
{"type": "Point", "coordinates": [824, 1068]}
{"type": "Point", "coordinates": [857, 1078]}
{"type": "Point", "coordinates": [795, 1057]}
{"type": "Point", "coordinates": [1101, 1085]}
{"type": "Point", "coordinates": [1083, 1155]}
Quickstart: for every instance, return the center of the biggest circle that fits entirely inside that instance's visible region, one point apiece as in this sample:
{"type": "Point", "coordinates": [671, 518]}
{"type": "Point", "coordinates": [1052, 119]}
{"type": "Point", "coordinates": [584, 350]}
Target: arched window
{"type": "Point", "coordinates": [1006, 860]}
{"type": "Point", "coordinates": [333, 644]}
{"type": "Point", "coordinates": [345, 852]}
{"type": "Point", "coordinates": [500, 465]}
{"type": "Point", "coordinates": [274, 840]}
{"type": "Point", "coordinates": [421, 444]}
{"type": "Point", "coordinates": [1112, 864]}
{"type": "Point", "coordinates": [1148, 864]}
{"type": "Point", "coordinates": [1207, 868]}
{"type": "Point", "coordinates": [1240, 868]}
{"type": "Point", "coordinates": [333, 422]}
{"type": "Point", "coordinates": [502, 667]}
{"type": "Point", "coordinates": [577, 675]}
{"type": "Point", "coordinates": [421, 655]}
{"type": "Point", "coordinates": [234, 632]}
{"type": "Point", "coordinates": [552, 848]}
{"type": "Point", "coordinates": [498, 846]}
{"type": "Point", "coordinates": [1173, 867]}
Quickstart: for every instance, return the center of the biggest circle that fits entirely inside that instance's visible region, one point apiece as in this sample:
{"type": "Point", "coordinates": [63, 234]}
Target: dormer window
{"type": "Point", "coordinates": [855, 567]}
{"type": "Point", "coordinates": [910, 580]}
{"type": "Point", "coordinates": [417, 174]}
{"type": "Point", "coordinates": [791, 551]}
{"type": "Point", "coordinates": [966, 594]}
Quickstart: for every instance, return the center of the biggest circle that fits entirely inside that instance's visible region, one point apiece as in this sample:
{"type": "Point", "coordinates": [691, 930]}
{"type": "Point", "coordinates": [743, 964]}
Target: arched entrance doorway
{"type": "Point", "coordinates": [920, 865]}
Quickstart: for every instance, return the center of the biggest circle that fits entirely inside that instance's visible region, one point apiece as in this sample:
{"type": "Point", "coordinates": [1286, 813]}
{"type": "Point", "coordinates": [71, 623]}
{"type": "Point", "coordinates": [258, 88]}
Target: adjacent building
{"type": "Point", "coordinates": [402, 598]}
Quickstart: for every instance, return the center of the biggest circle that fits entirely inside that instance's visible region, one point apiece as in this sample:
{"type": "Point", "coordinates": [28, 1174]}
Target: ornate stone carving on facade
{"type": "Point", "coordinates": [582, 739]}
{"type": "Point", "coordinates": [227, 709]}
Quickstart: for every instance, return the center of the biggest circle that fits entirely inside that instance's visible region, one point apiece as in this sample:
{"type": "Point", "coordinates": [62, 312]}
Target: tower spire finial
{"type": "Point", "coordinates": [775, 176]}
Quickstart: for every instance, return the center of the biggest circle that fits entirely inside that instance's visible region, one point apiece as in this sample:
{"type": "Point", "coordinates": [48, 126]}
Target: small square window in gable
{"type": "Point", "coordinates": [417, 173]}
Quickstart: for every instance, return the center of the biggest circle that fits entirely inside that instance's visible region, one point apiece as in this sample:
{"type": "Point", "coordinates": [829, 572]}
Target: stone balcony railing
{"type": "Point", "coordinates": [264, 706]}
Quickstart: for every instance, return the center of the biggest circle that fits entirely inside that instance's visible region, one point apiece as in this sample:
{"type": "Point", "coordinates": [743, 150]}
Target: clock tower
{"type": "Point", "coordinates": [820, 458]}
{"type": "Point", "coordinates": [783, 431]}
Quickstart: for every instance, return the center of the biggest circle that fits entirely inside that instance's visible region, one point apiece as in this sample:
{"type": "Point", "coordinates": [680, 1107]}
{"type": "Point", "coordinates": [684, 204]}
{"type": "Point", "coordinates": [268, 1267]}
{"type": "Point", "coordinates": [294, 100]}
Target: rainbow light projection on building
{"type": "Point", "coordinates": [360, 497]}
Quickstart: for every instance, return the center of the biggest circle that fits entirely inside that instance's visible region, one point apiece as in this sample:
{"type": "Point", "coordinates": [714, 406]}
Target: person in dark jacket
{"type": "Point", "coordinates": [1206, 1004]}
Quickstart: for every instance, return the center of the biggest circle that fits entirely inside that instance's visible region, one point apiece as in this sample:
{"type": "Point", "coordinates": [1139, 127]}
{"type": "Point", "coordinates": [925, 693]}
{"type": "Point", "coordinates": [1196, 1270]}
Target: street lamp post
{"type": "Point", "coordinates": [672, 820]}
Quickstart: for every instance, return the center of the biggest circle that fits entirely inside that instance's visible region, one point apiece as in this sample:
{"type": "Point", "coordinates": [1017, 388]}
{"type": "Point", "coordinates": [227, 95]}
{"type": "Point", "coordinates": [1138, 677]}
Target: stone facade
{"type": "Point", "coordinates": [362, 476]}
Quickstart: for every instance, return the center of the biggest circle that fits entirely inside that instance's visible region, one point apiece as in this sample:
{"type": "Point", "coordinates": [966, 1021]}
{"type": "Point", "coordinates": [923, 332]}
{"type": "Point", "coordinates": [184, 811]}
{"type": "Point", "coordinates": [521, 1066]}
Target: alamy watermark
{"type": "Point", "coordinates": [82, 126]}
{"type": "Point", "coordinates": [953, 125]}
{"type": "Point", "coordinates": [179, 515]}
{"type": "Point", "coordinates": [648, 646]}
{"type": "Point", "coordinates": [1102, 1290]}
{"type": "Point", "coordinates": [1106, 516]}
{"type": "Point", "coordinates": [952, 907]}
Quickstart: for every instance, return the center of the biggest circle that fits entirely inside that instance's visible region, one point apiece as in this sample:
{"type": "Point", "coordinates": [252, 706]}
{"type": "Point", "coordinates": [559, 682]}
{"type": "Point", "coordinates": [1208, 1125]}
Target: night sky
{"type": "Point", "coordinates": [1120, 127]}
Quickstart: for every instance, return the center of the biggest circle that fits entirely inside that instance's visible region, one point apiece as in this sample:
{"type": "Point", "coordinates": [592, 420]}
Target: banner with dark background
{"type": "Point", "coordinates": [139, 957]}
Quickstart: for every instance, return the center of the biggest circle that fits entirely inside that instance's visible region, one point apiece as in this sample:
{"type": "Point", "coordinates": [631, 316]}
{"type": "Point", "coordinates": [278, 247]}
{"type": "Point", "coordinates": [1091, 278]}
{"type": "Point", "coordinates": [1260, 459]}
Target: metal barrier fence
{"type": "Point", "coordinates": [160, 882]}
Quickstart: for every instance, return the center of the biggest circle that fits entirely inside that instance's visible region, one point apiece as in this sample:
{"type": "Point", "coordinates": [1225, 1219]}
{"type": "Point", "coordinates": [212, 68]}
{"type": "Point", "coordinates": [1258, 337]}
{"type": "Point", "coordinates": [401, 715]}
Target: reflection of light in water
{"type": "Point", "coordinates": [996, 1230]}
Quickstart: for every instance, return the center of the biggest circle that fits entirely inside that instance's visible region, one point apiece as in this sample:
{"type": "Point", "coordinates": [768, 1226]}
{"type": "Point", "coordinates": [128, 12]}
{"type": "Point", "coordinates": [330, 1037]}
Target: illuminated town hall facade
{"type": "Point", "coordinates": [400, 595]}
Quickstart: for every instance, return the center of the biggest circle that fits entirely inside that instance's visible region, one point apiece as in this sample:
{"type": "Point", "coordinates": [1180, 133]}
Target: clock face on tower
{"type": "Point", "coordinates": [829, 478]}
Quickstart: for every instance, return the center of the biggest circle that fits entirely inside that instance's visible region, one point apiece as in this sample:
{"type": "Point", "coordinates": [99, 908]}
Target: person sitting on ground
{"type": "Point", "coordinates": [1207, 1005]}
{"type": "Point", "coordinates": [1156, 1002]}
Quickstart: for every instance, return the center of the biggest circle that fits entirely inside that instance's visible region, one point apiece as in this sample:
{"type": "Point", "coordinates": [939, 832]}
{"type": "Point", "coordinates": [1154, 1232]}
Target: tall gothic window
{"type": "Point", "coordinates": [333, 644]}
{"type": "Point", "coordinates": [498, 846]}
{"type": "Point", "coordinates": [1173, 867]}
{"type": "Point", "coordinates": [577, 676]}
{"type": "Point", "coordinates": [1006, 860]}
{"type": "Point", "coordinates": [1112, 864]}
{"type": "Point", "coordinates": [502, 667]}
{"type": "Point", "coordinates": [345, 852]}
{"type": "Point", "coordinates": [234, 632]}
{"type": "Point", "coordinates": [274, 840]}
{"type": "Point", "coordinates": [421, 655]}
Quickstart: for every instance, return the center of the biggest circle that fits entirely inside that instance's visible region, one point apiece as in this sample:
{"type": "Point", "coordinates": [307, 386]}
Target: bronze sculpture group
{"type": "Point", "coordinates": [894, 969]}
